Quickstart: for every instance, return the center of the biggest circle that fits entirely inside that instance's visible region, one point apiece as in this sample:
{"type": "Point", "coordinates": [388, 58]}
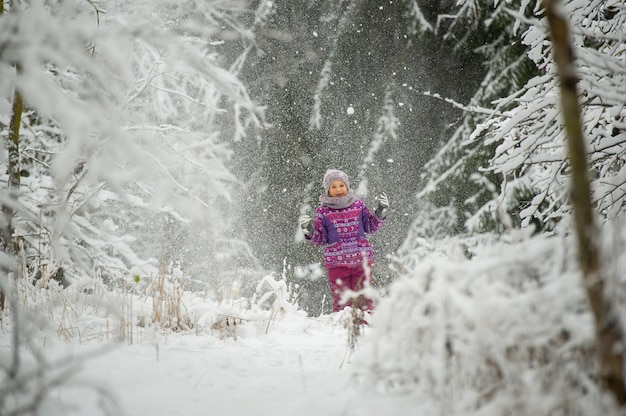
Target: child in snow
{"type": "Point", "coordinates": [340, 224]}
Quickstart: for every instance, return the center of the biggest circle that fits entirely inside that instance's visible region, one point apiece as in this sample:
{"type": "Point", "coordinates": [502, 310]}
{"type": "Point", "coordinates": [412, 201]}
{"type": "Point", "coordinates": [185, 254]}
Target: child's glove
{"type": "Point", "coordinates": [306, 223]}
{"type": "Point", "coordinates": [383, 204]}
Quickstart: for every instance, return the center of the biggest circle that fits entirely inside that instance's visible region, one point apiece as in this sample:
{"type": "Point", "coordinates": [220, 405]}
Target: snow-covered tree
{"type": "Point", "coordinates": [449, 177]}
{"type": "Point", "coordinates": [519, 133]}
{"type": "Point", "coordinates": [121, 133]}
{"type": "Point", "coordinates": [121, 141]}
{"type": "Point", "coordinates": [530, 137]}
{"type": "Point", "coordinates": [523, 137]}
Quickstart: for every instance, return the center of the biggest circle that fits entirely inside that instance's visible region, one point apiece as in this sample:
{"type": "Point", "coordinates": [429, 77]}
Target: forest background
{"type": "Point", "coordinates": [157, 138]}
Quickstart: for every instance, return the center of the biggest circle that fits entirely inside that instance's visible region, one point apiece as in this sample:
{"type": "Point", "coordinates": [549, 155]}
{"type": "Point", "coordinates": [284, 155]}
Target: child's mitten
{"type": "Point", "coordinates": [383, 205]}
{"type": "Point", "coordinates": [306, 223]}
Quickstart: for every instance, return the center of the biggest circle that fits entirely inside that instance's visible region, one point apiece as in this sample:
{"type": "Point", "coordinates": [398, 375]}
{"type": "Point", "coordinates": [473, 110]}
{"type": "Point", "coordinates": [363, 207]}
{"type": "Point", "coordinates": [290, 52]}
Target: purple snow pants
{"type": "Point", "coordinates": [349, 278]}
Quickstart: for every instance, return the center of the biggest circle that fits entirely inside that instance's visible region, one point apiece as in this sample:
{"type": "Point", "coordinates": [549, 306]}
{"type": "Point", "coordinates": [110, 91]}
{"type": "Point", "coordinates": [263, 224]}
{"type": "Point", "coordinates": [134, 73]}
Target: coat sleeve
{"type": "Point", "coordinates": [371, 222]}
{"type": "Point", "coordinates": [320, 234]}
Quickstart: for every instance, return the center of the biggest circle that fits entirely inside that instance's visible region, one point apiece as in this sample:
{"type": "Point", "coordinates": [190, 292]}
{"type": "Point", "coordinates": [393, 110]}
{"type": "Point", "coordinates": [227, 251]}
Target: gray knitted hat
{"type": "Point", "coordinates": [335, 175]}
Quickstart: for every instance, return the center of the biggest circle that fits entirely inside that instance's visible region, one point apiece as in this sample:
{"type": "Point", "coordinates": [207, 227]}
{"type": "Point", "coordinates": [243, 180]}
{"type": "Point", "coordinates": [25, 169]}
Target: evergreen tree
{"type": "Point", "coordinates": [512, 135]}
{"type": "Point", "coordinates": [455, 176]}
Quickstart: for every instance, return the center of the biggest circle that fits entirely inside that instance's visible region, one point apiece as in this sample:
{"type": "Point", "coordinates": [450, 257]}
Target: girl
{"type": "Point", "coordinates": [340, 224]}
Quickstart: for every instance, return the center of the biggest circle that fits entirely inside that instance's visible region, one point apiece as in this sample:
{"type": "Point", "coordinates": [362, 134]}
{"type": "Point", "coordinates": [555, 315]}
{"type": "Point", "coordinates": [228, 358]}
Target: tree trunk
{"type": "Point", "coordinates": [6, 236]}
{"type": "Point", "coordinates": [7, 243]}
{"type": "Point", "coordinates": [609, 336]}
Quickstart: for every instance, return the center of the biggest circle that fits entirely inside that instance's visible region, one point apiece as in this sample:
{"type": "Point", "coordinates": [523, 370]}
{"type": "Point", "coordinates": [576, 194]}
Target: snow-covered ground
{"type": "Point", "coordinates": [301, 366]}
{"type": "Point", "coordinates": [505, 330]}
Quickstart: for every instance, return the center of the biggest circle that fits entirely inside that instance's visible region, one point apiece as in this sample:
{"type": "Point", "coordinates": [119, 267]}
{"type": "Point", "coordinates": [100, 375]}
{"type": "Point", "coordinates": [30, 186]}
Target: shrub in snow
{"type": "Point", "coordinates": [506, 333]}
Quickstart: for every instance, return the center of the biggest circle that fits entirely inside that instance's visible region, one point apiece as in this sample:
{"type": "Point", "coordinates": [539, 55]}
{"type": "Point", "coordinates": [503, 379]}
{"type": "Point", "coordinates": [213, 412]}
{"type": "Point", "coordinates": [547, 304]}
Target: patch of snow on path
{"type": "Point", "coordinates": [299, 367]}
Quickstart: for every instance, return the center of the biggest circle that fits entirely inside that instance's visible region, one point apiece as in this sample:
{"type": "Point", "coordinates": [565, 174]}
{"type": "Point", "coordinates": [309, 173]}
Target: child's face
{"type": "Point", "coordinates": [337, 188]}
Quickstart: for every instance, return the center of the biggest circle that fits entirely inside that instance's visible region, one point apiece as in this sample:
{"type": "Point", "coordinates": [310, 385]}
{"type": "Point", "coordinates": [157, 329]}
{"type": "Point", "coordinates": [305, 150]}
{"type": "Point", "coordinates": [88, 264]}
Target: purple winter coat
{"type": "Point", "coordinates": [343, 231]}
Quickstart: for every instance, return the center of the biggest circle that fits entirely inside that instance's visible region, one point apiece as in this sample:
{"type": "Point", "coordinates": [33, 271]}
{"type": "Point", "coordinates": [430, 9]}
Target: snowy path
{"type": "Point", "coordinates": [293, 370]}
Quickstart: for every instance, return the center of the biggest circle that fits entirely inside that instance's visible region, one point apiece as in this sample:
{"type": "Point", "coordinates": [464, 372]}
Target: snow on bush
{"type": "Point", "coordinates": [508, 332]}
